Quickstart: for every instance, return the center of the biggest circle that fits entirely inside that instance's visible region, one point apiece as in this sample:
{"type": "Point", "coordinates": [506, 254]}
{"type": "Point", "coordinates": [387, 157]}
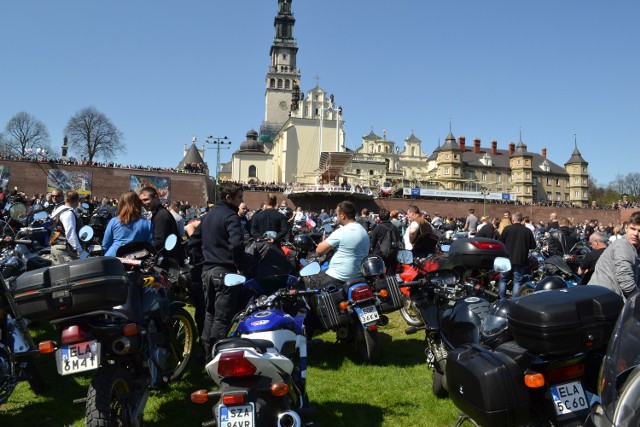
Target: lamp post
{"type": "Point", "coordinates": [485, 193]}
{"type": "Point", "coordinates": [219, 143]}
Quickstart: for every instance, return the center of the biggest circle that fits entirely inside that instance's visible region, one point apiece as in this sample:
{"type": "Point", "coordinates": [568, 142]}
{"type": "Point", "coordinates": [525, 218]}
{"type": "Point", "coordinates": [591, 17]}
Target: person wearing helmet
{"type": "Point", "coordinates": [350, 244]}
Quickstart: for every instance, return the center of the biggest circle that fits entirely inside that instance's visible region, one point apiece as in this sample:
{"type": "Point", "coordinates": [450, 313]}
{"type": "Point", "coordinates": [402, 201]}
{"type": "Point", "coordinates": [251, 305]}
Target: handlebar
{"type": "Point", "coordinates": [23, 241]}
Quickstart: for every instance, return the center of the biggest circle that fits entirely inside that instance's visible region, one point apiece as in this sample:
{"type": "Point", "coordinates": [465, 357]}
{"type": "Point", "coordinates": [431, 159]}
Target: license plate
{"type": "Point", "coordinates": [569, 397]}
{"type": "Point", "coordinates": [368, 314]}
{"type": "Point", "coordinates": [236, 416]}
{"type": "Point", "coordinates": [79, 357]}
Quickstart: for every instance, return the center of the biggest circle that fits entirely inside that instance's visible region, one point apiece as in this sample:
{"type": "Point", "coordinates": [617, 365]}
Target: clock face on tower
{"type": "Point", "coordinates": [283, 105]}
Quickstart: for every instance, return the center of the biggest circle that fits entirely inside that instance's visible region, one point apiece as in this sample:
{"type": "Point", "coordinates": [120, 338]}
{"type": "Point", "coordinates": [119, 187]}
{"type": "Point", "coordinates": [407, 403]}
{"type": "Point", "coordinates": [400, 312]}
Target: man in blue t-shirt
{"type": "Point", "coordinates": [350, 243]}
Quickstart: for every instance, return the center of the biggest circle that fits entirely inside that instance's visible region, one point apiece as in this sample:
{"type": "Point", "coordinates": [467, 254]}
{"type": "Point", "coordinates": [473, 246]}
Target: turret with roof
{"type": "Point", "coordinates": [577, 168]}
{"type": "Point", "coordinates": [521, 163]}
{"type": "Point", "coordinates": [193, 157]}
{"type": "Point", "coordinates": [449, 163]}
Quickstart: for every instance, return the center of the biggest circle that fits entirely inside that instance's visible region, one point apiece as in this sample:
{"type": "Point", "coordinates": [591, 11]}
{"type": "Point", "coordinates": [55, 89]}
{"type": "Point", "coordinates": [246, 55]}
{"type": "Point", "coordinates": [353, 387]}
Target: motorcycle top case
{"type": "Point", "coordinates": [564, 321]}
{"type": "Point", "coordinates": [476, 252]}
{"type": "Point", "coordinates": [73, 288]}
{"type": "Point", "coordinates": [487, 385]}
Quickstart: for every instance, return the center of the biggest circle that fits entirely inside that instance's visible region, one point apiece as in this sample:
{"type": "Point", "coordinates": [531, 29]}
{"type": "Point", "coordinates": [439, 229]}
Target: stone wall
{"type": "Point", "coordinates": [31, 178]}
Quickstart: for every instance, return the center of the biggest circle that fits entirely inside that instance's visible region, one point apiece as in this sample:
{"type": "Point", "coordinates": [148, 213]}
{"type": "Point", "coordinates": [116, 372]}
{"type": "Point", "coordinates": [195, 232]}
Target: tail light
{"type": "Point", "coordinates": [533, 380]}
{"type": "Point", "coordinates": [74, 333]}
{"type": "Point", "coordinates": [360, 293]}
{"type": "Point", "coordinates": [234, 399]}
{"type": "Point", "coordinates": [279, 389]}
{"type": "Point", "coordinates": [488, 246]}
{"type": "Point", "coordinates": [565, 373]}
{"type": "Point", "coordinates": [234, 364]}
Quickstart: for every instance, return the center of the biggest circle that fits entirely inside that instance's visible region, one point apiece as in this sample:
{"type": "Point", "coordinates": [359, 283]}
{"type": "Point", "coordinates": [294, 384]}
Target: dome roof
{"type": "Point", "coordinates": [251, 144]}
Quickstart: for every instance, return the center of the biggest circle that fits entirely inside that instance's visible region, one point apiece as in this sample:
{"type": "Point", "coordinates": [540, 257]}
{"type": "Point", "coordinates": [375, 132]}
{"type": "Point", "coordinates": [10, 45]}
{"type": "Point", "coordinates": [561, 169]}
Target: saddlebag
{"type": "Point", "coordinates": [73, 288]}
{"type": "Point", "coordinates": [476, 252]}
{"type": "Point", "coordinates": [326, 307]}
{"type": "Point", "coordinates": [564, 321]}
{"type": "Point", "coordinates": [487, 385]}
{"type": "Point", "coordinates": [393, 301]}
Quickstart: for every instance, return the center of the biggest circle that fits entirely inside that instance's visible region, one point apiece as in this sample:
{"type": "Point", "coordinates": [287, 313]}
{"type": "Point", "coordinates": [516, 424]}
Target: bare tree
{"type": "Point", "coordinates": [91, 134]}
{"type": "Point", "coordinates": [25, 132]}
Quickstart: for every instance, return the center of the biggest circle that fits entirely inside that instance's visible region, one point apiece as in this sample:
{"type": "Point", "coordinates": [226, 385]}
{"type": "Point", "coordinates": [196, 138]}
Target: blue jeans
{"type": "Point", "coordinates": [518, 272]}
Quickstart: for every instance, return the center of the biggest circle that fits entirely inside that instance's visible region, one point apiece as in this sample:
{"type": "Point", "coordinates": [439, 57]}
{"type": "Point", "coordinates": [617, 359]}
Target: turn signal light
{"type": "Point", "coordinates": [344, 305]}
{"type": "Point", "coordinates": [279, 389]}
{"type": "Point", "coordinates": [534, 380]}
{"type": "Point", "coordinates": [234, 399]}
{"type": "Point", "coordinates": [384, 293]}
{"type": "Point", "coordinates": [234, 364]}
{"type": "Point", "coordinates": [200, 396]}
{"type": "Point", "coordinates": [130, 329]}
{"type": "Point", "coordinates": [46, 347]}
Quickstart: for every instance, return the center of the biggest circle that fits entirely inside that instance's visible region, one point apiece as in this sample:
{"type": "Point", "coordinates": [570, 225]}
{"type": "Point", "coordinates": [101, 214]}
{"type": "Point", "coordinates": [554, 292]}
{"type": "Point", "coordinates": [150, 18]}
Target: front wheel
{"type": "Point", "coordinates": [183, 332]}
{"type": "Point", "coordinates": [110, 398]}
{"type": "Point", "coordinates": [367, 344]}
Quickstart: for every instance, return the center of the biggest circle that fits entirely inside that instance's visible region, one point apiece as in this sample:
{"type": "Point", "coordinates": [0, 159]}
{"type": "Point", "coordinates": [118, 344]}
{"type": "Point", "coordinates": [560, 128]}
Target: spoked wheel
{"type": "Point", "coordinates": [366, 343]}
{"type": "Point", "coordinates": [525, 290]}
{"type": "Point", "coordinates": [109, 398]}
{"type": "Point", "coordinates": [183, 334]}
{"type": "Point", "coordinates": [409, 312]}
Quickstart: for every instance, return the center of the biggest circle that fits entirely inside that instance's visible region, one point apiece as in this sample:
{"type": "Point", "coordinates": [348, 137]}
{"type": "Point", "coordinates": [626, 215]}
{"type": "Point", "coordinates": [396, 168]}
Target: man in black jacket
{"type": "Point", "coordinates": [563, 239]}
{"type": "Point", "coordinates": [269, 219]}
{"type": "Point", "coordinates": [219, 237]}
{"type": "Point", "coordinates": [164, 224]}
{"type": "Point", "coordinates": [383, 229]}
{"type": "Point", "coordinates": [518, 239]}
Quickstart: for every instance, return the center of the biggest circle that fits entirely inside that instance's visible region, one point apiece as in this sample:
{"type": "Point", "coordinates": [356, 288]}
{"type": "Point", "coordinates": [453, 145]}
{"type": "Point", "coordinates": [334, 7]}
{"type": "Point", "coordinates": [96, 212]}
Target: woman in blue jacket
{"type": "Point", "coordinates": [128, 226]}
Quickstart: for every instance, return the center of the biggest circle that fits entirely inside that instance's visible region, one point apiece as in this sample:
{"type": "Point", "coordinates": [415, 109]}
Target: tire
{"type": "Point", "coordinates": [439, 385]}
{"type": "Point", "coordinates": [109, 398]}
{"type": "Point", "coordinates": [367, 344]}
{"type": "Point", "coordinates": [408, 313]}
{"type": "Point", "coordinates": [36, 382]}
{"type": "Point", "coordinates": [183, 335]}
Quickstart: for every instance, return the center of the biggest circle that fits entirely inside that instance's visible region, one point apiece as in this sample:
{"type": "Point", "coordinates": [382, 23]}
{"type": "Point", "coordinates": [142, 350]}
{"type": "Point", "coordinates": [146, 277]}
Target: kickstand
{"type": "Point", "coordinates": [464, 417]}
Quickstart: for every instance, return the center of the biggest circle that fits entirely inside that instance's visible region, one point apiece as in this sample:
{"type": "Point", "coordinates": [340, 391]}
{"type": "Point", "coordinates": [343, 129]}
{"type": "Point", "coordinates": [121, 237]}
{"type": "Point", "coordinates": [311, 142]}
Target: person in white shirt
{"type": "Point", "coordinates": [65, 244]}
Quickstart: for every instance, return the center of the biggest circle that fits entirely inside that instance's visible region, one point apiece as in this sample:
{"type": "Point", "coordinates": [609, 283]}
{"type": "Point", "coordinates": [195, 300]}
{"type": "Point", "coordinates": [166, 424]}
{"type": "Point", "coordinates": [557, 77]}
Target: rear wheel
{"type": "Point", "coordinates": [109, 398]}
{"type": "Point", "coordinates": [183, 334]}
{"type": "Point", "coordinates": [367, 344]}
{"type": "Point", "coordinates": [409, 312]}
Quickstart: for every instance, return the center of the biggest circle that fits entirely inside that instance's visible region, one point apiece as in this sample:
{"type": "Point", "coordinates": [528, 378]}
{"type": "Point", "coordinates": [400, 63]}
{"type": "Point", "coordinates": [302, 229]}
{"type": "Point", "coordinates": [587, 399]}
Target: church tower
{"type": "Point", "coordinates": [283, 76]}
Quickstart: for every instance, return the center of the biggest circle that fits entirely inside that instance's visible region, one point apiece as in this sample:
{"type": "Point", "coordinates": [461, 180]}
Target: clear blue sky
{"type": "Point", "coordinates": [163, 71]}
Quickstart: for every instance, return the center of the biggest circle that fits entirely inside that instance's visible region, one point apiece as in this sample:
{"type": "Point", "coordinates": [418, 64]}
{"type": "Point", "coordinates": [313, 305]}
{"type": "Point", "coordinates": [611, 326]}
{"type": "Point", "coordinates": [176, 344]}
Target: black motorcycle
{"type": "Point", "coordinates": [115, 316]}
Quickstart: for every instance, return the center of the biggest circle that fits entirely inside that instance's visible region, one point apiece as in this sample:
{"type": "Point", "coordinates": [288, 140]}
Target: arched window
{"type": "Point", "coordinates": [252, 171]}
{"type": "Point", "coordinates": [413, 151]}
{"type": "Point", "coordinates": [279, 83]}
{"type": "Point", "coordinates": [286, 84]}
{"type": "Point", "coordinates": [272, 83]}
{"type": "Point", "coordinates": [386, 149]}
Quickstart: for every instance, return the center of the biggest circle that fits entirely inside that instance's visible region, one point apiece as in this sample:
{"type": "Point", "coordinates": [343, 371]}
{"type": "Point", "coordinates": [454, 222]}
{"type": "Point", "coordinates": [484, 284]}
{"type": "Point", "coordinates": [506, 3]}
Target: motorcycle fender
{"type": "Point", "coordinates": [177, 304]}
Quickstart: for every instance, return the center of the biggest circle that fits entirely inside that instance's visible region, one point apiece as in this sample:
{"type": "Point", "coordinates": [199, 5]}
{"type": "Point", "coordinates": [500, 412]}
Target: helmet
{"type": "Point", "coordinates": [372, 266]}
{"type": "Point", "coordinates": [550, 282]}
{"type": "Point", "coordinates": [494, 328]}
{"type": "Point", "coordinates": [304, 242]}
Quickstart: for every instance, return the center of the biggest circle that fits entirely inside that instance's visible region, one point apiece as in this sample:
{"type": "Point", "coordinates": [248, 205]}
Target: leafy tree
{"type": "Point", "coordinates": [25, 134]}
{"type": "Point", "coordinates": [91, 134]}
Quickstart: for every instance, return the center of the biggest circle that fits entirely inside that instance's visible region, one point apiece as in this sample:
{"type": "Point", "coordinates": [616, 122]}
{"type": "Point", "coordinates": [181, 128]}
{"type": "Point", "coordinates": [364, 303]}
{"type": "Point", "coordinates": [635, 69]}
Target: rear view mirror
{"type": "Point", "coordinates": [86, 233]}
{"type": "Point", "coordinates": [501, 265]}
{"type": "Point", "coordinates": [445, 248]}
{"type": "Point", "coordinates": [270, 235]}
{"type": "Point", "coordinates": [232, 279]}
{"type": "Point", "coordinates": [310, 270]}
{"type": "Point", "coordinates": [405, 257]}
{"type": "Point", "coordinates": [170, 242]}
{"type": "Point", "coordinates": [40, 215]}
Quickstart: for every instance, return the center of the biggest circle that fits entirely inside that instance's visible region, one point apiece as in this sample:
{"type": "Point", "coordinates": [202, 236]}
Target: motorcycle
{"type": "Point", "coordinates": [354, 309]}
{"type": "Point", "coordinates": [17, 347]}
{"type": "Point", "coordinates": [542, 363]}
{"type": "Point", "coordinates": [547, 267]}
{"type": "Point", "coordinates": [261, 369]}
{"type": "Point", "coordinates": [619, 380]}
{"type": "Point", "coordinates": [115, 316]}
{"type": "Point", "coordinates": [451, 311]}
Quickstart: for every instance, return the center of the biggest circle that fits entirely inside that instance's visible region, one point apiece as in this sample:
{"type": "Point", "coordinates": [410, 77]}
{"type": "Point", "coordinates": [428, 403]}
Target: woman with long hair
{"type": "Point", "coordinates": [128, 226]}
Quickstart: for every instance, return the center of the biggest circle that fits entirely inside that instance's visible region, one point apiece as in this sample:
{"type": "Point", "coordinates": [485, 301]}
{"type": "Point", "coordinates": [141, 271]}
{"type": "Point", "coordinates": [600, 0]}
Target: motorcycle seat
{"type": "Point", "coordinates": [354, 281]}
{"type": "Point", "coordinates": [228, 343]}
{"type": "Point", "coordinates": [520, 355]}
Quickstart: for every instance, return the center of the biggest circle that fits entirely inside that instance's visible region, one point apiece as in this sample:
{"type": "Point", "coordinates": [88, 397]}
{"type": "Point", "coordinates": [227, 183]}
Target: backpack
{"type": "Point", "coordinates": [389, 245]}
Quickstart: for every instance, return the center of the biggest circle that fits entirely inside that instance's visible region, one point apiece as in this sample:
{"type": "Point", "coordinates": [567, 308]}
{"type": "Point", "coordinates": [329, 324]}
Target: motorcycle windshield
{"type": "Point", "coordinates": [622, 356]}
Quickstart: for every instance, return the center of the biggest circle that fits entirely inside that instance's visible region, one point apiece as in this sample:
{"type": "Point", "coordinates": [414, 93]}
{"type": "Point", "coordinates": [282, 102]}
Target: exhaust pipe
{"type": "Point", "coordinates": [289, 419]}
{"type": "Point", "coordinates": [121, 346]}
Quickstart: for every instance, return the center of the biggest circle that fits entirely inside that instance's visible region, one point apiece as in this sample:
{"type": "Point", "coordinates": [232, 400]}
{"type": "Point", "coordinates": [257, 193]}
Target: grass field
{"type": "Point", "coordinates": [394, 392]}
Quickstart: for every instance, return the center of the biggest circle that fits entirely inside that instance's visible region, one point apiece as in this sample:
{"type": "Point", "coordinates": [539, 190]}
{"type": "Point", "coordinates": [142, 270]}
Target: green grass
{"type": "Point", "coordinates": [394, 392]}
